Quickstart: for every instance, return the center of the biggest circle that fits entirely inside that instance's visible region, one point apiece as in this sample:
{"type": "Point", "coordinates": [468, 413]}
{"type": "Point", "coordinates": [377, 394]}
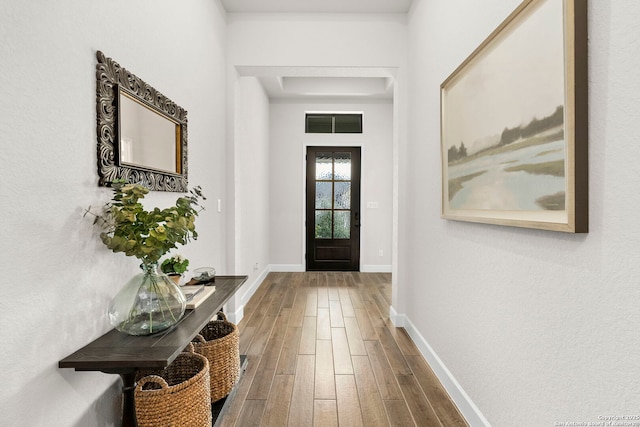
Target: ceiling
{"type": "Point", "coordinates": [332, 84]}
{"type": "Point", "coordinates": [316, 6]}
{"type": "Point", "coordinates": [321, 83]}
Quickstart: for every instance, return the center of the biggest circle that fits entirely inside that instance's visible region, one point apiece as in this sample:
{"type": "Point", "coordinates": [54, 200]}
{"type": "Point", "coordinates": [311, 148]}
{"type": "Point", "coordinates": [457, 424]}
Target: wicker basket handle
{"type": "Point", "coordinates": [199, 339]}
{"type": "Point", "coordinates": [152, 379]}
{"type": "Point", "coordinates": [221, 314]}
{"type": "Point", "coordinates": [189, 348]}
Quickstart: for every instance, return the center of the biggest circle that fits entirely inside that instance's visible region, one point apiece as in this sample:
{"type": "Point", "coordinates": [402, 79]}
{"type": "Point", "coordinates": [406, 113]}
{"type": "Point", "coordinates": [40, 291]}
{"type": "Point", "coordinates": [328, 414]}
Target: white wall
{"type": "Point", "coordinates": [59, 278]}
{"type": "Point", "coordinates": [537, 327]}
{"type": "Point", "coordinates": [288, 143]}
{"type": "Point", "coordinates": [250, 188]}
{"type": "Point", "coordinates": [293, 39]}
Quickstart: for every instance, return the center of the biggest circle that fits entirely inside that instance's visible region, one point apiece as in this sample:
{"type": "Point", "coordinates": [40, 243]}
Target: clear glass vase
{"type": "Point", "coordinates": [149, 303]}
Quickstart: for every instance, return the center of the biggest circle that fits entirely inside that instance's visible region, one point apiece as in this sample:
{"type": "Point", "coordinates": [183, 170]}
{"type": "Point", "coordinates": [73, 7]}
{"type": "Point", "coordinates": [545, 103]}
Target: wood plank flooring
{"type": "Point", "coordinates": [322, 352]}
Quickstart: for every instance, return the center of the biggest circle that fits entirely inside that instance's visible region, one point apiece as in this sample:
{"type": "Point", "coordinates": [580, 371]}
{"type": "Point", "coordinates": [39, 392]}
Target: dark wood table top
{"type": "Point", "coordinates": [116, 352]}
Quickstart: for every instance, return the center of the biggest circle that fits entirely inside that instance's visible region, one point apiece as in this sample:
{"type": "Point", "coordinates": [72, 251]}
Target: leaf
{"type": "Point", "coordinates": [147, 235]}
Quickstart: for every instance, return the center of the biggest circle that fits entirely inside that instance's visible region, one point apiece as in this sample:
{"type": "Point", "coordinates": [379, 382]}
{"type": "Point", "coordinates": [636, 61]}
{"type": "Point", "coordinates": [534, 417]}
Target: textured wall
{"type": "Point", "coordinates": [537, 327]}
{"type": "Point", "coordinates": [59, 278]}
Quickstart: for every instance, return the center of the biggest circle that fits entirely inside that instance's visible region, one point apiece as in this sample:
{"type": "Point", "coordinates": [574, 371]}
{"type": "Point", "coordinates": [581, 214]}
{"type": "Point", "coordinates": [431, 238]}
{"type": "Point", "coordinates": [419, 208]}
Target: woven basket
{"type": "Point", "coordinates": [218, 342]}
{"type": "Point", "coordinates": [177, 396]}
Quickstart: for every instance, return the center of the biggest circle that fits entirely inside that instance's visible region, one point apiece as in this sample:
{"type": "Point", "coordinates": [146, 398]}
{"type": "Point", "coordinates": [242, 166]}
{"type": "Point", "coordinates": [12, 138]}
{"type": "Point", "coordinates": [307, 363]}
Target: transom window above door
{"type": "Point", "coordinates": [333, 123]}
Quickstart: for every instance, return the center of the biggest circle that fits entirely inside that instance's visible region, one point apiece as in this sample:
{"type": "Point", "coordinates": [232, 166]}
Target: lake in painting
{"type": "Point", "coordinates": [526, 175]}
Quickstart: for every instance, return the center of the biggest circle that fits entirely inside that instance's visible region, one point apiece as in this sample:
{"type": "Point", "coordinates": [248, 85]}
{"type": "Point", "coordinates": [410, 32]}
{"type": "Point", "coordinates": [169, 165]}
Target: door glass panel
{"type": "Point", "coordinates": [342, 197]}
{"type": "Point", "coordinates": [323, 224]}
{"type": "Point", "coordinates": [323, 195]}
{"type": "Point", "coordinates": [343, 166]}
{"type": "Point", "coordinates": [342, 225]}
{"type": "Point", "coordinates": [333, 195]}
{"type": "Point", "coordinates": [324, 166]}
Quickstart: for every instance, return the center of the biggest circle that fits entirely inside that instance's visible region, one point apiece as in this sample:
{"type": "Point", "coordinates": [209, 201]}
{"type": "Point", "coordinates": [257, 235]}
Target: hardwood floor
{"type": "Point", "coordinates": [322, 352]}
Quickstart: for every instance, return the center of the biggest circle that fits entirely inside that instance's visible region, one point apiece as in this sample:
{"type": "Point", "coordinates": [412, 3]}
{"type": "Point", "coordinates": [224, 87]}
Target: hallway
{"type": "Point", "coordinates": [323, 352]}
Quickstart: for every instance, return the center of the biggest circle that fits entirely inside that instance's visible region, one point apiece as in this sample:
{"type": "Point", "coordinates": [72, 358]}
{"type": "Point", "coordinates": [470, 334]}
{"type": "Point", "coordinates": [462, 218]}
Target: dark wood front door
{"type": "Point", "coordinates": [333, 209]}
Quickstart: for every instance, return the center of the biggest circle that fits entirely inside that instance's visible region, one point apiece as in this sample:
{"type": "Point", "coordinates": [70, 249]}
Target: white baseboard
{"type": "Point", "coordinates": [396, 319]}
{"type": "Point", "coordinates": [254, 286]}
{"type": "Point", "coordinates": [287, 268]}
{"type": "Point", "coordinates": [464, 403]}
{"type": "Point", "coordinates": [300, 268]}
{"type": "Point", "coordinates": [237, 315]}
{"type": "Point", "coordinates": [375, 269]}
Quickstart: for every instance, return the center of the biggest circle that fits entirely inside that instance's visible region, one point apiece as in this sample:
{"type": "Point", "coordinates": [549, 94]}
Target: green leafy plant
{"type": "Point", "coordinates": [146, 234]}
{"type": "Point", "coordinates": [176, 264]}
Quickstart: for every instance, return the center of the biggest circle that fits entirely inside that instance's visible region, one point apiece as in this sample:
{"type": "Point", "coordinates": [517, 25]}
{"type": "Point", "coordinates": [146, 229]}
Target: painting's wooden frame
{"type": "Point", "coordinates": [574, 217]}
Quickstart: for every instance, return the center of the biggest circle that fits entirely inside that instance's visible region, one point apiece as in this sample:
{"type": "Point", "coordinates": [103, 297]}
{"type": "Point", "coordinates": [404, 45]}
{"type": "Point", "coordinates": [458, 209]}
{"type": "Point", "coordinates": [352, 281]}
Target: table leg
{"type": "Point", "coordinates": [128, 405]}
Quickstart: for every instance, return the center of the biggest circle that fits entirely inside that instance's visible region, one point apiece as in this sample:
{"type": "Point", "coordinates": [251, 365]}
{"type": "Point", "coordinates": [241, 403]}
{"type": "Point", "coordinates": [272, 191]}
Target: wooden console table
{"type": "Point", "coordinates": [118, 353]}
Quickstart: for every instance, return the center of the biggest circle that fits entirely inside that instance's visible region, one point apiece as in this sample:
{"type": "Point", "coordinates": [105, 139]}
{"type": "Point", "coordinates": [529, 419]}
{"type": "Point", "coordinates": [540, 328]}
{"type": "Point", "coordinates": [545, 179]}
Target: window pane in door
{"type": "Point", "coordinates": [324, 166]}
{"type": "Point", "coordinates": [343, 166]}
{"type": "Point", "coordinates": [342, 195]}
{"type": "Point", "coordinates": [323, 195]}
{"type": "Point", "coordinates": [342, 225]}
{"type": "Point", "coordinates": [323, 224]}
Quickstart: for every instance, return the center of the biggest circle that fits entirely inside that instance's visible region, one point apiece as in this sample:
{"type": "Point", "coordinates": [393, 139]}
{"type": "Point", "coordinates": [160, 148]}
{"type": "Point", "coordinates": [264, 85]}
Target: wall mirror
{"type": "Point", "coordinates": [142, 134]}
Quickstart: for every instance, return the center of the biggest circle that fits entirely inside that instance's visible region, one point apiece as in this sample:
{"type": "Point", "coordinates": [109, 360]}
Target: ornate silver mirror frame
{"type": "Point", "coordinates": [112, 82]}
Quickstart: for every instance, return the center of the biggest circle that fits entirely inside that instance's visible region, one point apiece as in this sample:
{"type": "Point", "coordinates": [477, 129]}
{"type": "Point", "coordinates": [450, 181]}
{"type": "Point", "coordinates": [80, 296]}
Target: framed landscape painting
{"type": "Point", "coordinates": [514, 123]}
